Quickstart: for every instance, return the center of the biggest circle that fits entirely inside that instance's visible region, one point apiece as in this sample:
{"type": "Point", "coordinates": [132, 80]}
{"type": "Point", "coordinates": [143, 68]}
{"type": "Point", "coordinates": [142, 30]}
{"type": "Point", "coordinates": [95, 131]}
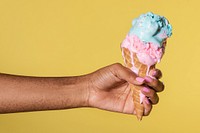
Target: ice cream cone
{"type": "Point", "coordinates": [143, 48]}
{"type": "Point", "coordinates": [132, 62]}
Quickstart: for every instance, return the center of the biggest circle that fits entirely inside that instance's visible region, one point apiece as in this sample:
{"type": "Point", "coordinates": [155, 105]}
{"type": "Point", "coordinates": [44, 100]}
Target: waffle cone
{"type": "Point", "coordinates": [132, 62]}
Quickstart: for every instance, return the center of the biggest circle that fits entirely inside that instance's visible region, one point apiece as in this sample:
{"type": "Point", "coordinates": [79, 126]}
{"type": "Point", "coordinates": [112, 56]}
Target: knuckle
{"type": "Point", "coordinates": [153, 94]}
{"type": "Point", "coordinates": [158, 71]}
{"type": "Point", "coordinates": [156, 100]}
{"type": "Point", "coordinates": [160, 74]}
{"type": "Point", "coordinates": [158, 85]}
{"type": "Point", "coordinates": [155, 82]}
{"type": "Point", "coordinates": [163, 86]}
{"type": "Point", "coordinates": [117, 65]}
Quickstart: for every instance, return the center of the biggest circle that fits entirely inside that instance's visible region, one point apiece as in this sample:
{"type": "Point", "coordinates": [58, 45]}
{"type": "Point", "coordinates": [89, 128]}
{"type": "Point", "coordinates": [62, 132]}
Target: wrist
{"type": "Point", "coordinates": [76, 91]}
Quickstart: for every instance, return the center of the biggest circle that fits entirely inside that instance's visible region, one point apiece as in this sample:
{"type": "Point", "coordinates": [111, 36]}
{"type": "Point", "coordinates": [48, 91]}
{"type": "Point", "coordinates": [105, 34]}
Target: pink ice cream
{"type": "Point", "coordinates": [148, 54]}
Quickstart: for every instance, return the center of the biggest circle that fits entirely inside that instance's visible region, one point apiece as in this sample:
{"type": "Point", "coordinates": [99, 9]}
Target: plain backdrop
{"type": "Point", "coordinates": [75, 37]}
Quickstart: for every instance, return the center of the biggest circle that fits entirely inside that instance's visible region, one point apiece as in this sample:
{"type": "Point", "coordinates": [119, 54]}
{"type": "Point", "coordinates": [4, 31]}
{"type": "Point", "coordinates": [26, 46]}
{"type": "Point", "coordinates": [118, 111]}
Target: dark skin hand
{"type": "Point", "coordinates": [107, 88]}
{"type": "Point", "coordinates": [110, 89]}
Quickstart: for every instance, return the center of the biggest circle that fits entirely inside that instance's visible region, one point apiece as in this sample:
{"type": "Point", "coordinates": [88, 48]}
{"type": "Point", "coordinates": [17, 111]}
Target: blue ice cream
{"type": "Point", "coordinates": [152, 28]}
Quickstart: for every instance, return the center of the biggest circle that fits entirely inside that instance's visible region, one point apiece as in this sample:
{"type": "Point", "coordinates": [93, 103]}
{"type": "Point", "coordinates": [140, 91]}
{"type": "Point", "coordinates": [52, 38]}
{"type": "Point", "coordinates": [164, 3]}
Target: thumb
{"type": "Point", "coordinates": [126, 74]}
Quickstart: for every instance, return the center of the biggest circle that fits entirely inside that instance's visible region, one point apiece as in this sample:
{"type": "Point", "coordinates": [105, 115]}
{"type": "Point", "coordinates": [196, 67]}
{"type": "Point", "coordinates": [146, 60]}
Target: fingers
{"type": "Point", "coordinates": [147, 106]}
{"type": "Point", "coordinates": [126, 74]}
{"type": "Point", "coordinates": [154, 83]}
{"type": "Point", "coordinates": [156, 73]}
{"type": "Point", "coordinates": [151, 94]}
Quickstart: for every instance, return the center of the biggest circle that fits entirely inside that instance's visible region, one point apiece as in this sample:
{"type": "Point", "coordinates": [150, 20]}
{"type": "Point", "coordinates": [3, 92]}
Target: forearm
{"type": "Point", "coordinates": [22, 93]}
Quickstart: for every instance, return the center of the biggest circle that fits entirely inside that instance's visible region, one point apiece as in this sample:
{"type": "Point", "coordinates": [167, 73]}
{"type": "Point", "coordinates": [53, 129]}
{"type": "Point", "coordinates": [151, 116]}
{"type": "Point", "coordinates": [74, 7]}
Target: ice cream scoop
{"type": "Point", "coordinates": [152, 28]}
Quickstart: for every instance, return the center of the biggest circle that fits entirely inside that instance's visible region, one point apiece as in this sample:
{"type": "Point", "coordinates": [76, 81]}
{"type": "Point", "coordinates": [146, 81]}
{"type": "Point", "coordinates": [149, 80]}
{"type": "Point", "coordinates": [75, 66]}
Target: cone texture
{"type": "Point", "coordinates": [131, 60]}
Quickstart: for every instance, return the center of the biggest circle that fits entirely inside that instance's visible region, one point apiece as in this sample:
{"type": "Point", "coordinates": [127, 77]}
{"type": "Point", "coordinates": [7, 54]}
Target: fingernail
{"type": "Point", "coordinates": [154, 73]}
{"type": "Point", "coordinates": [145, 89]}
{"type": "Point", "coordinates": [148, 79]}
{"type": "Point", "coordinates": [139, 79]}
{"type": "Point", "coordinates": [147, 101]}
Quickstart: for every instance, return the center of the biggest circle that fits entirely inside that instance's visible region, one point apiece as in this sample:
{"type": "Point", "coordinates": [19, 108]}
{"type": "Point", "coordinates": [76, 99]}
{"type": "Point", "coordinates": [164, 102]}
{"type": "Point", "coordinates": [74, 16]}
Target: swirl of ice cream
{"type": "Point", "coordinates": [147, 37]}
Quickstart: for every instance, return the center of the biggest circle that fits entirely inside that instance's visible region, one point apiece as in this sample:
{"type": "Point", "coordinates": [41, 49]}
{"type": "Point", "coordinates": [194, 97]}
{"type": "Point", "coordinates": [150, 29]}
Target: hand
{"type": "Point", "coordinates": [109, 89]}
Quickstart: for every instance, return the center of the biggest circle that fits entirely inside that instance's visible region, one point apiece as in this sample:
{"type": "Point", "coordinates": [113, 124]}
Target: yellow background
{"type": "Point", "coordinates": [73, 37]}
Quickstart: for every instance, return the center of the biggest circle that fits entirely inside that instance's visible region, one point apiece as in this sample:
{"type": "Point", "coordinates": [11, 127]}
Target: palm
{"type": "Point", "coordinates": [111, 94]}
